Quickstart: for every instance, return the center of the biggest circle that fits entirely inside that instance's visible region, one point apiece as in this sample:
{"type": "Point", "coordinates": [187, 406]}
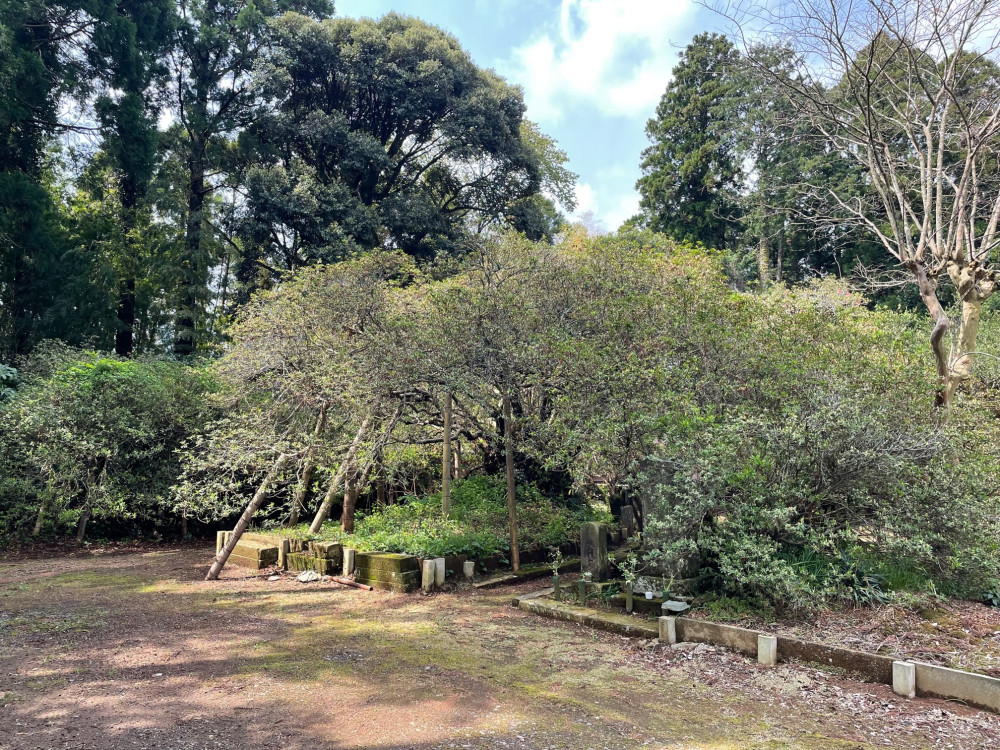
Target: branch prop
{"type": "Point", "coordinates": [241, 526]}
{"type": "Point", "coordinates": [324, 509]}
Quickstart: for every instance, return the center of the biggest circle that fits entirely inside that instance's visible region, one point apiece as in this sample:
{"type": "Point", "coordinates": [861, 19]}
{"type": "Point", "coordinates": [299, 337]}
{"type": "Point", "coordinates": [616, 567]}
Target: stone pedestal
{"type": "Point", "coordinates": [594, 550]}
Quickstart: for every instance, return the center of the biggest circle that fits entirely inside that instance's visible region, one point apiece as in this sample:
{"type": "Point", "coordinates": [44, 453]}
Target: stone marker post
{"type": "Point", "coordinates": [348, 562]}
{"type": "Point", "coordinates": [469, 568]}
{"type": "Point", "coordinates": [439, 571]}
{"type": "Point", "coordinates": [767, 649]}
{"type": "Point", "coordinates": [628, 523]}
{"type": "Point", "coordinates": [904, 679]}
{"type": "Point", "coordinates": [594, 550]}
{"type": "Point", "coordinates": [427, 575]}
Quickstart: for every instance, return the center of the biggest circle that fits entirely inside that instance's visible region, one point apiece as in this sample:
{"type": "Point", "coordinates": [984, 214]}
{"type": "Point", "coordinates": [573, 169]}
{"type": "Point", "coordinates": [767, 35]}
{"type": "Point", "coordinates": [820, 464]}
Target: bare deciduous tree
{"type": "Point", "coordinates": [910, 89]}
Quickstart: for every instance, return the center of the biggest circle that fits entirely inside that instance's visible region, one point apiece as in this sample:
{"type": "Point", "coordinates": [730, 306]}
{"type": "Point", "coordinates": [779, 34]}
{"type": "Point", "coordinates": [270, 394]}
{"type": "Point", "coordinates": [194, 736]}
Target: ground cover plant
{"type": "Point", "coordinates": [476, 524]}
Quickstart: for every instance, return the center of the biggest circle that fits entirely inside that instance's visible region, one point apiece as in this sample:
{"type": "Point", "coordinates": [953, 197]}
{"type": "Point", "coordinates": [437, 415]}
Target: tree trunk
{"type": "Point", "coordinates": [81, 526]}
{"type": "Point", "coordinates": [780, 260]}
{"type": "Point", "coordinates": [508, 439]}
{"type": "Point", "coordinates": [185, 341]}
{"type": "Point", "coordinates": [350, 501]}
{"type": "Point", "coordinates": [928, 294]}
{"type": "Point", "coordinates": [40, 518]}
{"type": "Point", "coordinates": [458, 460]}
{"type": "Point", "coordinates": [124, 342]}
{"type": "Point", "coordinates": [380, 493]}
{"type": "Point", "coordinates": [184, 528]}
{"type": "Point", "coordinates": [968, 333]}
{"type": "Point", "coordinates": [301, 495]}
{"type": "Point", "coordinates": [324, 509]}
{"type": "Point", "coordinates": [255, 502]}
{"type": "Point", "coordinates": [446, 459]}
{"type": "Point", "coordinates": [763, 260]}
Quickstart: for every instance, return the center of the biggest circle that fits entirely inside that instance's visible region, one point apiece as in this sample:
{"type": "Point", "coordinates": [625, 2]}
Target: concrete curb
{"type": "Point", "coordinates": [971, 688]}
{"type": "Point", "coordinates": [618, 624]}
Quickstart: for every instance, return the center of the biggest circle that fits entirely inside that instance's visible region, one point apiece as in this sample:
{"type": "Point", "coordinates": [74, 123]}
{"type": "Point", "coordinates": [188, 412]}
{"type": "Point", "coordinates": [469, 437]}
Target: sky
{"type": "Point", "coordinates": [592, 72]}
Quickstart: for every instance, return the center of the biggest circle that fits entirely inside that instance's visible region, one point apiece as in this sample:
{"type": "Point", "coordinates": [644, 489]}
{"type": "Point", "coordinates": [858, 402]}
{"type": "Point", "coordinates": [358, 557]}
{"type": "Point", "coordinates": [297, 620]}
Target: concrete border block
{"type": "Point", "coordinates": [439, 571]}
{"type": "Point", "coordinates": [631, 627]}
{"type": "Point", "coordinates": [767, 649]}
{"type": "Point", "coordinates": [871, 667]}
{"type": "Point", "coordinates": [668, 630]}
{"type": "Point", "coordinates": [943, 682]}
{"type": "Point", "coordinates": [904, 679]}
{"type": "Point", "coordinates": [716, 634]}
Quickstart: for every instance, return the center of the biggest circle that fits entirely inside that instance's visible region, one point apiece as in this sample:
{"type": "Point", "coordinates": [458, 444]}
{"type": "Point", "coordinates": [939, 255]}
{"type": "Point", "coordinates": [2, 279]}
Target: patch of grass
{"type": "Point", "coordinates": [53, 623]}
{"type": "Point", "coordinates": [730, 608]}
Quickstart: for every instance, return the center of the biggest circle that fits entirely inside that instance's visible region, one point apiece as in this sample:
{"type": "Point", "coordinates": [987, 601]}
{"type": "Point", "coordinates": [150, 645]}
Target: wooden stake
{"type": "Point", "coordinates": [446, 459]}
{"type": "Point", "coordinates": [515, 556]}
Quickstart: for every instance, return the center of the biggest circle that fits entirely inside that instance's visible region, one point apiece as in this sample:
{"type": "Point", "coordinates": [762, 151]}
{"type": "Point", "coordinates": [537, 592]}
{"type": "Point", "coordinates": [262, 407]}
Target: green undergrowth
{"type": "Point", "coordinates": [476, 526]}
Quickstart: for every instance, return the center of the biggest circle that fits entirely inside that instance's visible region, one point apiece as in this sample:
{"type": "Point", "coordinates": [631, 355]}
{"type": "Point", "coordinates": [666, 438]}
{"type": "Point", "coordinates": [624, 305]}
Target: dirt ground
{"type": "Point", "coordinates": [134, 650]}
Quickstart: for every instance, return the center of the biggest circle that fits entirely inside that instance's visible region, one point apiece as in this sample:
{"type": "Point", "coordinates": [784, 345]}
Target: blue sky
{"type": "Point", "coordinates": [592, 73]}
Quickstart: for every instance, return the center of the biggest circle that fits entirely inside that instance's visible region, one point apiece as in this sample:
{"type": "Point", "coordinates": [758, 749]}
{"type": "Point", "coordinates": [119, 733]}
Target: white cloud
{"type": "Point", "coordinates": [614, 55]}
{"type": "Point", "coordinates": [586, 199]}
{"type": "Point", "coordinates": [625, 207]}
{"type": "Point", "coordinates": [610, 211]}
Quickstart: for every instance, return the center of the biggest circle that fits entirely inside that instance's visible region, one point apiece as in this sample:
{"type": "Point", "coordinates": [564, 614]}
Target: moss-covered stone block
{"type": "Point", "coordinates": [387, 570]}
{"type": "Point", "coordinates": [390, 562]}
{"type": "Point", "coordinates": [256, 555]}
{"type": "Point", "coordinates": [402, 583]}
{"type": "Point", "coordinates": [327, 550]}
{"type": "Point", "coordinates": [302, 561]}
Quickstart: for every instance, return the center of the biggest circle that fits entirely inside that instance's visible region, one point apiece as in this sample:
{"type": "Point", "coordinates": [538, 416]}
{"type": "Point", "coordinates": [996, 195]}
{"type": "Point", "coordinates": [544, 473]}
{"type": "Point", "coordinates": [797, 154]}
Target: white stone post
{"type": "Point", "coordinates": [668, 630]}
{"type": "Point", "coordinates": [767, 649]}
{"type": "Point", "coordinates": [904, 679]}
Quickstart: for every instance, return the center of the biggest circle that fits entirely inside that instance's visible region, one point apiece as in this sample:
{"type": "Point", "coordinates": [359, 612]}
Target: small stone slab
{"type": "Point", "coordinates": [674, 606]}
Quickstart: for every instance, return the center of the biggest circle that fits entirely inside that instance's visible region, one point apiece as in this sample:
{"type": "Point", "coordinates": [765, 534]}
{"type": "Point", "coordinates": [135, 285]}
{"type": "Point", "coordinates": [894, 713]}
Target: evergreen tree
{"type": "Point", "coordinates": [217, 45]}
{"type": "Point", "coordinates": [691, 172]}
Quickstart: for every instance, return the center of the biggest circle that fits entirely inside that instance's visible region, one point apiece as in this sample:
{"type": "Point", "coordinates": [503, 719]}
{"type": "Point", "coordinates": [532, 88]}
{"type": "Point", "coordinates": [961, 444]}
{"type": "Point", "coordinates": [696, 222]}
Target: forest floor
{"type": "Point", "coordinates": [134, 650]}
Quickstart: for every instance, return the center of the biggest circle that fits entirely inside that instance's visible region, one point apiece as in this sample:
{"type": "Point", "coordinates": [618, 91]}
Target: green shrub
{"type": "Point", "coordinates": [477, 525]}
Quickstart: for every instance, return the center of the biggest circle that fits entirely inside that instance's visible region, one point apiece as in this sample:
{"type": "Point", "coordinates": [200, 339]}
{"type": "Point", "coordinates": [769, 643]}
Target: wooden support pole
{"type": "Point", "coordinates": [255, 502]}
{"type": "Point", "coordinates": [446, 459]}
{"type": "Point", "coordinates": [515, 556]}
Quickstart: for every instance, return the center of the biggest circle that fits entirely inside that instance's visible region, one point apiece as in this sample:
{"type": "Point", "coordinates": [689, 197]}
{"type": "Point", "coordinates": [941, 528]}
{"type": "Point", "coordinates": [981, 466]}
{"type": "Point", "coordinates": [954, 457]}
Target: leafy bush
{"type": "Point", "coordinates": [477, 525]}
{"type": "Point", "coordinates": [818, 462]}
{"type": "Point", "coordinates": [88, 435]}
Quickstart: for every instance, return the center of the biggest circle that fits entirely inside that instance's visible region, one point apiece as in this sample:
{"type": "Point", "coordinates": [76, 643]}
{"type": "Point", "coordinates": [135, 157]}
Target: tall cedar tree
{"type": "Point", "coordinates": [128, 48]}
{"type": "Point", "coordinates": [691, 172]}
{"type": "Point", "coordinates": [216, 47]}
